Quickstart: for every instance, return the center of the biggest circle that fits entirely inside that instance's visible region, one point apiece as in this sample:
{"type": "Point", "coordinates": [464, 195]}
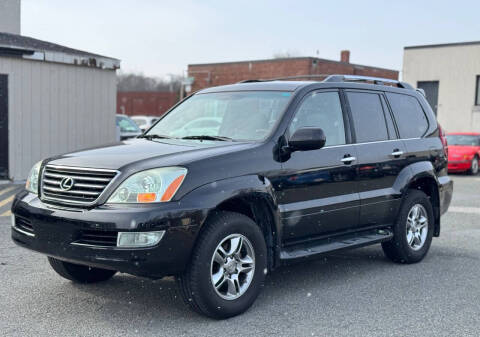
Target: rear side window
{"type": "Point", "coordinates": [410, 117]}
{"type": "Point", "coordinates": [368, 117]}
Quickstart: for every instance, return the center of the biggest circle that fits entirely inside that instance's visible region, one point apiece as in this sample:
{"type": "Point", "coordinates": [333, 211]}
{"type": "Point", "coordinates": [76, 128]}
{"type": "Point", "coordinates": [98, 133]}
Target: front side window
{"type": "Point", "coordinates": [247, 116]}
{"type": "Point", "coordinates": [368, 117]}
{"type": "Point", "coordinates": [322, 110]}
{"type": "Point", "coordinates": [411, 119]}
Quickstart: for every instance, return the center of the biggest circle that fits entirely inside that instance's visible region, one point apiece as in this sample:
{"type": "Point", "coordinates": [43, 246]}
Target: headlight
{"type": "Point", "coordinates": [155, 185]}
{"type": "Point", "coordinates": [32, 180]}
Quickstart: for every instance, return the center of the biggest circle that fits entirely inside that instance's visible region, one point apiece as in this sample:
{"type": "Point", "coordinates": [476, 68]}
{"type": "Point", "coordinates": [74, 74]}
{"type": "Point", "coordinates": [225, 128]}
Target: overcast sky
{"type": "Point", "coordinates": [161, 37]}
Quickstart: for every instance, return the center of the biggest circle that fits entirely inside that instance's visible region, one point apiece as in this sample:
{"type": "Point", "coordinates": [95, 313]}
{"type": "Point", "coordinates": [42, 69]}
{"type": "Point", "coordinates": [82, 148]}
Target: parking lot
{"type": "Point", "coordinates": [354, 293]}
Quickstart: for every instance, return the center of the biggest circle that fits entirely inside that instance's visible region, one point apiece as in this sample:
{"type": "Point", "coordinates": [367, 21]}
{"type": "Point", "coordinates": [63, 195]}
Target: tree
{"type": "Point", "coordinates": [140, 82]}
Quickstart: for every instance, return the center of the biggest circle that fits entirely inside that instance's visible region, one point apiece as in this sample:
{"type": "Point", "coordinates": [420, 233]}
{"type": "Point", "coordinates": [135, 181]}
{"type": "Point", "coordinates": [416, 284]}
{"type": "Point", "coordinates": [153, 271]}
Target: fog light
{"type": "Point", "coordinates": [139, 239]}
{"type": "Point", "coordinates": [13, 220]}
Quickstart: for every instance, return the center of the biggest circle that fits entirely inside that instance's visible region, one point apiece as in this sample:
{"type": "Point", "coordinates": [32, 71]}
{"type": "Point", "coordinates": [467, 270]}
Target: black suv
{"type": "Point", "coordinates": [279, 172]}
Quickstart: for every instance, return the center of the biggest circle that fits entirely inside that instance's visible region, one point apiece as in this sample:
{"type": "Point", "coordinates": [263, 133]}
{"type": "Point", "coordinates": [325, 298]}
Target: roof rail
{"type": "Point", "coordinates": [375, 80]}
{"type": "Point", "coordinates": [252, 81]}
{"type": "Point", "coordinates": [420, 90]}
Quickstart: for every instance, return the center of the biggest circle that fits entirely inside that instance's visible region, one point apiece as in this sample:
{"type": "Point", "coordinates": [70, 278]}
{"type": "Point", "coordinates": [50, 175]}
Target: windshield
{"type": "Point", "coordinates": [126, 124]}
{"type": "Point", "coordinates": [248, 115]}
{"type": "Point", "coordinates": [466, 140]}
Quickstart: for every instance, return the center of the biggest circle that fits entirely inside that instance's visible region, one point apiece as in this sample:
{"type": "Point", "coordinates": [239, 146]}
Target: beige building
{"type": "Point", "coordinates": [450, 76]}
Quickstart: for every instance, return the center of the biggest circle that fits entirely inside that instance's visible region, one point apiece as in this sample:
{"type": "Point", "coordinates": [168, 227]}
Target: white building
{"type": "Point", "coordinates": [450, 76]}
{"type": "Point", "coordinates": [53, 99]}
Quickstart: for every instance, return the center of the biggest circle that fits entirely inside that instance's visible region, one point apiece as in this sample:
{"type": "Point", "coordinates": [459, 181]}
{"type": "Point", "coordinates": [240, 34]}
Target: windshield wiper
{"type": "Point", "coordinates": [206, 137]}
{"type": "Point", "coordinates": [154, 136]}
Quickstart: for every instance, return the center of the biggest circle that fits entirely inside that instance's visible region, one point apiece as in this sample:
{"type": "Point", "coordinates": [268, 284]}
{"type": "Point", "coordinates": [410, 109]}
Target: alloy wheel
{"type": "Point", "coordinates": [417, 227]}
{"type": "Point", "coordinates": [232, 266]}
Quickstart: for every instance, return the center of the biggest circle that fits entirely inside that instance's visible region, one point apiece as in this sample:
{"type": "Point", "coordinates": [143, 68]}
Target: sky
{"type": "Point", "coordinates": [162, 37]}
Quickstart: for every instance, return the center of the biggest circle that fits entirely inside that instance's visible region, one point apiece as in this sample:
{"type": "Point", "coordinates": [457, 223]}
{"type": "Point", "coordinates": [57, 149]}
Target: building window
{"type": "Point", "coordinates": [477, 91]}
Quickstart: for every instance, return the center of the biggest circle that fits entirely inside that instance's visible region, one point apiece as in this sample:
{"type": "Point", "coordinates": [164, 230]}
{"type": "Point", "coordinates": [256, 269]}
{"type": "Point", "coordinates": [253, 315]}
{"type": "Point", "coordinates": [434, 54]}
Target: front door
{"type": "Point", "coordinates": [431, 93]}
{"type": "Point", "coordinates": [316, 191]}
{"type": "Point", "coordinates": [3, 126]}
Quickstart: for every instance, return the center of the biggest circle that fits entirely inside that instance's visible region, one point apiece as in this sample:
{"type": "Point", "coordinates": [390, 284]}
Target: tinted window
{"type": "Point", "coordinates": [322, 110]}
{"type": "Point", "coordinates": [368, 117]}
{"type": "Point", "coordinates": [388, 117]}
{"type": "Point", "coordinates": [410, 117]}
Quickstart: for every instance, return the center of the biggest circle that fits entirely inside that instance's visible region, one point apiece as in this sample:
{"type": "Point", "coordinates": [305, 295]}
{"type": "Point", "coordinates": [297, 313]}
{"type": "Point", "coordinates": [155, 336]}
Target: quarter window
{"type": "Point", "coordinates": [322, 110]}
{"type": "Point", "coordinates": [368, 117]}
{"type": "Point", "coordinates": [410, 117]}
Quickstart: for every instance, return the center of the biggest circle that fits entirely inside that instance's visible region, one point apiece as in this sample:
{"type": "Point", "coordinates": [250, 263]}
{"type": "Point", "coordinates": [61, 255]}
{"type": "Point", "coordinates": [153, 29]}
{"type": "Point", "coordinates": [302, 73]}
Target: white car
{"type": "Point", "coordinates": [144, 122]}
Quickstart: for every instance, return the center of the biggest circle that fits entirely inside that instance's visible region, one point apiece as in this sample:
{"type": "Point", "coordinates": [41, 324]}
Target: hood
{"type": "Point", "coordinates": [163, 152]}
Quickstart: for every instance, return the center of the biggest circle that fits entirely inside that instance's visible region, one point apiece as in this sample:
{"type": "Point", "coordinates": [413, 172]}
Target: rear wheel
{"type": "Point", "coordinates": [78, 273]}
{"type": "Point", "coordinates": [227, 268]}
{"type": "Point", "coordinates": [413, 231]}
{"type": "Point", "coordinates": [474, 166]}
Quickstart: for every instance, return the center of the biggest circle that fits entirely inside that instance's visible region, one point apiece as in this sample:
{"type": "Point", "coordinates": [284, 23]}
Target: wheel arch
{"type": "Point", "coordinates": [424, 179]}
{"type": "Point", "coordinates": [251, 196]}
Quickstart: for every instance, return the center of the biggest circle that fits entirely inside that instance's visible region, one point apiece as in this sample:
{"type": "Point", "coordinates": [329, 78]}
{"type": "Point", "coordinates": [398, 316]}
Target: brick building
{"type": "Point", "coordinates": [213, 74]}
{"type": "Point", "coordinates": [150, 103]}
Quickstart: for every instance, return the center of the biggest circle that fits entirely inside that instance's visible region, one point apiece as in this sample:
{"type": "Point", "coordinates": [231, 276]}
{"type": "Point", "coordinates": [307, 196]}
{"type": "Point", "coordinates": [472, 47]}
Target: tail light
{"type": "Point", "coordinates": [443, 139]}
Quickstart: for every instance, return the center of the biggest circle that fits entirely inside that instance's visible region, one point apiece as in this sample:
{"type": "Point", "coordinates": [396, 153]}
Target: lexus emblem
{"type": "Point", "coordinates": [67, 183]}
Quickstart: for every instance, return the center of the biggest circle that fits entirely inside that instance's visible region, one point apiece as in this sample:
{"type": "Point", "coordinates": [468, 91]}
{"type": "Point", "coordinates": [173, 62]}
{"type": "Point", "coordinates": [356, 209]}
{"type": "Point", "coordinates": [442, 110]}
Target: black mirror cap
{"type": "Point", "coordinates": [306, 139]}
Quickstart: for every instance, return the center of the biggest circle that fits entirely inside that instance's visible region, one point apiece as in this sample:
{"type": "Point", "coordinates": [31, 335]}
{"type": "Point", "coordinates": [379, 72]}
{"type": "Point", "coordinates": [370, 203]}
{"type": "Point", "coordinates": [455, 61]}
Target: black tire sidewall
{"type": "Point", "coordinates": [400, 230]}
{"type": "Point", "coordinates": [235, 225]}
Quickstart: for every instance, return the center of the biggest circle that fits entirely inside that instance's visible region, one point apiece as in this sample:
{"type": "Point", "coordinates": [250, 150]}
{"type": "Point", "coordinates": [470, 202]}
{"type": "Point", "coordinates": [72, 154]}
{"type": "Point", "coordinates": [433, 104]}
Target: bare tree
{"type": "Point", "coordinates": [140, 82]}
{"type": "Point", "coordinates": [286, 54]}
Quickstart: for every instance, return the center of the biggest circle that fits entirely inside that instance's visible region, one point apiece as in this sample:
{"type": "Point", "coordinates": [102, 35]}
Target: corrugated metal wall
{"type": "Point", "coordinates": [56, 108]}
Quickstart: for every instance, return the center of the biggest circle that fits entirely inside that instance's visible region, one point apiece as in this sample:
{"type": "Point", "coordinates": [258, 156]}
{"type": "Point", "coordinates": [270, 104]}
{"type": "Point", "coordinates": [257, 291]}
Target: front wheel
{"type": "Point", "coordinates": [413, 231]}
{"type": "Point", "coordinates": [227, 268]}
{"type": "Point", "coordinates": [474, 166]}
{"type": "Point", "coordinates": [78, 273]}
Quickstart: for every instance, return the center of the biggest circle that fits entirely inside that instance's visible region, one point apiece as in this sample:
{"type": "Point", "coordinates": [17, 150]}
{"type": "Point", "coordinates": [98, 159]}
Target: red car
{"type": "Point", "coordinates": [463, 152]}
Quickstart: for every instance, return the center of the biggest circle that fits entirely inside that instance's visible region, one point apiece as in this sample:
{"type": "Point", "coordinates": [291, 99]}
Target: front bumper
{"type": "Point", "coordinates": [459, 166]}
{"type": "Point", "coordinates": [56, 231]}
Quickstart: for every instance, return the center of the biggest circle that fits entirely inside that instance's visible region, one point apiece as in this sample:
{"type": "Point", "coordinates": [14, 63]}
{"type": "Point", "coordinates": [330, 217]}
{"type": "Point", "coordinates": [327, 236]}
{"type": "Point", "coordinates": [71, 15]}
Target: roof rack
{"type": "Point", "coordinates": [375, 80]}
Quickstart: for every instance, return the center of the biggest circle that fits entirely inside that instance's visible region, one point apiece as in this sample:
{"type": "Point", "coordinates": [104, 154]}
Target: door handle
{"type": "Point", "coordinates": [396, 153]}
{"type": "Point", "coordinates": [348, 160]}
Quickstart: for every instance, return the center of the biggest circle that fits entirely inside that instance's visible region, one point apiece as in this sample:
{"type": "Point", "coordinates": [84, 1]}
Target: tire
{"type": "Point", "coordinates": [399, 249]}
{"type": "Point", "coordinates": [474, 166]}
{"type": "Point", "coordinates": [225, 229]}
{"type": "Point", "coordinates": [78, 273]}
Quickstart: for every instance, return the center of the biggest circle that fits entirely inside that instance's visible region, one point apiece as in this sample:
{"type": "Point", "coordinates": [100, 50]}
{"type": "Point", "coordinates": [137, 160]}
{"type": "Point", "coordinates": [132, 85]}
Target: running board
{"type": "Point", "coordinates": [354, 240]}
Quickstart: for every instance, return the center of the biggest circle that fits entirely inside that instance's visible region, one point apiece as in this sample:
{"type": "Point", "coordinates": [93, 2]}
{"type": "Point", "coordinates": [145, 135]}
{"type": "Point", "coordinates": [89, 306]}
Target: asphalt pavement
{"type": "Point", "coordinates": [353, 293]}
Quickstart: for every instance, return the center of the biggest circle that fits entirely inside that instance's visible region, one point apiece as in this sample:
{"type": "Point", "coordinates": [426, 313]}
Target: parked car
{"type": "Point", "coordinates": [144, 122]}
{"type": "Point", "coordinates": [463, 152]}
{"type": "Point", "coordinates": [295, 170]}
{"type": "Point", "coordinates": [128, 128]}
{"type": "Point", "coordinates": [199, 126]}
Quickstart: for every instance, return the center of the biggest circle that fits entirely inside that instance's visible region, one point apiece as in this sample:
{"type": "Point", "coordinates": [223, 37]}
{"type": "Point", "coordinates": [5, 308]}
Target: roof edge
{"type": "Point", "coordinates": [453, 44]}
{"type": "Point", "coordinates": [289, 58]}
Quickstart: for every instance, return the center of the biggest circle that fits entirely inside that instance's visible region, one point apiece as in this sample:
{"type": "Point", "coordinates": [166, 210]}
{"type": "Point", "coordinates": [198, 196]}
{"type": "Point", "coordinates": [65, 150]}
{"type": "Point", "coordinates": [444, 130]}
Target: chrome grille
{"type": "Point", "coordinates": [87, 184]}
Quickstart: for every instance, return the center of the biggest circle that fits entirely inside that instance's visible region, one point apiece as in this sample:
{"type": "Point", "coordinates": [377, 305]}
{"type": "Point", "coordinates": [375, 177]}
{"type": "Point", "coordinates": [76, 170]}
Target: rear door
{"type": "Point", "coordinates": [3, 126]}
{"type": "Point", "coordinates": [381, 157]}
{"type": "Point", "coordinates": [317, 191]}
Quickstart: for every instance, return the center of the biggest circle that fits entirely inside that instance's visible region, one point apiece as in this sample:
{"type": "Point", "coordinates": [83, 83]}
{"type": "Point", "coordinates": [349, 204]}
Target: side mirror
{"type": "Point", "coordinates": [306, 139]}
